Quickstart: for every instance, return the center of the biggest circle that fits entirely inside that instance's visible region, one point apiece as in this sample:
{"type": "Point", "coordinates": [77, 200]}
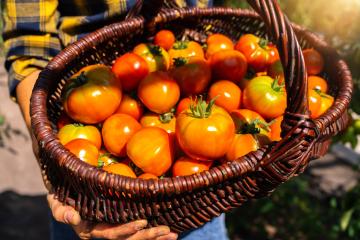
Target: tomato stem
{"type": "Point", "coordinates": [263, 43]}
{"type": "Point", "coordinates": [179, 45]}
{"type": "Point", "coordinates": [276, 86]}
{"type": "Point", "coordinates": [201, 109]}
{"type": "Point", "coordinates": [166, 117]}
{"type": "Point", "coordinates": [253, 127]}
{"type": "Point", "coordinates": [155, 50]}
{"type": "Point", "coordinates": [178, 62]}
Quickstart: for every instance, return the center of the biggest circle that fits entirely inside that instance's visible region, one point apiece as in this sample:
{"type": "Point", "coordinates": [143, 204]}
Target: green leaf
{"type": "Point", "coordinates": [345, 219]}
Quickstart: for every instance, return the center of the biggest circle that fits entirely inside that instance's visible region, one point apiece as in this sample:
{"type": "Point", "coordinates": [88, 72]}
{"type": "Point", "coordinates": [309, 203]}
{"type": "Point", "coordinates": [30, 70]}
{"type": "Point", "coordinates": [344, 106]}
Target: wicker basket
{"type": "Point", "coordinates": [188, 202]}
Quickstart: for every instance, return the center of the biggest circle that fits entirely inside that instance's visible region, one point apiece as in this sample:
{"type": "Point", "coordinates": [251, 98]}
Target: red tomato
{"type": "Point", "coordinates": [218, 42]}
{"type": "Point", "coordinates": [193, 78]}
{"type": "Point", "coordinates": [258, 52]}
{"type": "Point", "coordinates": [265, 96]}
{"type": "Point", "coordinates": [185, 166]}
{"type": "Point", "coordinates": [247, 121]}
{"type": "Point", "coordinates": [228, 64]}
{"type": "Point", "coordinates": [326, 102]}
{"type": "Point", "coordinates": [150, 150]}
{"type": "Point", "coordinates": [120, 169]}
{"type": "Point", "coordinates": [314, 103]}
{"type": "Point", "coordinates": [205, 132]}
{"type": "Point", "coordinates": [276, 129]}
{"type": "Point", "coordinates": [130, 69]}
{"type": "Point", "coordinates": [159, 92]}
{"type": "Point", "coordinates": [241, 145]}
{"type": "Point", "coordinates": [227, 94]}
{"type": "Point", "coordinates": [156, 57]}
{"type": "Point", "coordinates": [165, 39]}
{"type": "Point", "coordinates": [314, 61]}
{"type": "Point", "coordinates": [116, 132]}
{"type": "Point", "coordinates": [189, 50]}
{"type": "Point", "coordinates": [148, 176]}
{"type": "Point", "coordinates": [76, 131]}
{"type": "Point", "coordinates": [166, 122]}
{"type": "Point", "coordinates": [131, 107]}
{"type": "Point", "coordinates": [63, 120]}
{"type": "Point", "coordinates": [317, 83]}
{"type": "Point", "coordinates": [92, 95]}
{"type": "Point", "coordinates": [276, 71]}
{"type": "Point", "coordinates": [84, 150]}
{"type": "Point", "coordinates": [183, 105]}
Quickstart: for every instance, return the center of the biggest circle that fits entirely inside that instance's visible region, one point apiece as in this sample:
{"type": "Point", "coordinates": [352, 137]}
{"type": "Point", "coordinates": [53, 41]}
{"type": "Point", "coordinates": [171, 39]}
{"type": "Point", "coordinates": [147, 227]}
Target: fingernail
{"type": "Point", "coordinates": [140, 224]}
{"type": "Point", "coordinates": [172, 237]}
{"type": "Point", "coordinates": [163, 231]}
{"type": "Point", "coordinates": [68, 217]}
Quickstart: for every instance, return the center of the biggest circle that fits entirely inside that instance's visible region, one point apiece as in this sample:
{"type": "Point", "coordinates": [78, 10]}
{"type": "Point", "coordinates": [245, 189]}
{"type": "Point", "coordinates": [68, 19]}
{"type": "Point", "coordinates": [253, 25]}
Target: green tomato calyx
{"type": "Point", "coordinates": [180, 45]}
{"type": "Point", "coordinates": [200, 108]}
{"type": "Point", "coordinates": [179, 62]}
{"type": "Point", "coordinates": [276, 86]}
{"type": "Point", "coordinates": [167, 117]}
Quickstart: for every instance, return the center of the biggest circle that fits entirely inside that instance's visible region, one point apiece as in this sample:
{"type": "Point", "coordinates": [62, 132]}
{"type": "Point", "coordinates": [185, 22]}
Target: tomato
{"type": "Point", "coordinates": [63, 120]}
{"type": "Point", "coordinates": [265, 96]}
{"type": "Point", "coordinates": [218, 42]}
{"type": "Point", "coordinates": [75, 131]}
{"type": "Point", "coordinates": [229, 64]}
{"type": "Point", "coordinates": [120, 169]}
{"type": "Point", "coordinates": [276, 129]}
{"type": "Point", "coordinates": [131, 107]}
{"type": "Point", "coordinates": [84, 150]}
{"type": "Point", "coordinates": [314, 100]}
{"type": "Point", "coordinates": [326, 102]}
{"type": "Point", "coordinates": [241, 145]}
{"type": "Point", "coordinates": [159, 92]}
{"type": "Point", "coordinates": [148, 176]}
{"type": "Point", "coordinates": [258, 52]}
{"type": "Point", "coordinates": [166, 121]}
{"type": "Point", "coordinates": [188, 50]}
{"type": "Point", "coordinates": [193, 78]}
{"type": "Point", "coordinates": [92, 95]}
{"type": "Point", "coordinates": [227, 94]}
{"type": "Point", "coordinates": [314, 62]}
{"type": "Point", "coordinates": [205, 131]}
{"type": "Point", "coordinates": [156, 57]}
{"type": "Point", "coordinates": [116, 132]}
{"type": "Point", "coordinates": [317, 83]}
{"type": "Point", "coordinates": [247, 121]}
{"type": "Point", "coordinates": [165, 39]}
{"type": "Point", "coordinates": [183, 105]}
{"type": "Point", "coordinates": [106, 159]}
{"type": "Point", "coordinates": [185, 166]}
{"type": "Point", "coordinates": [276, 71]}
{"type": "Point", "coordinates": [151, 150]}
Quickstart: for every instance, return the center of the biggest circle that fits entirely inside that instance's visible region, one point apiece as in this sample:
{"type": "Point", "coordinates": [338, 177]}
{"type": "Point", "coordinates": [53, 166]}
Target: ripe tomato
{"type": "Point", "coordinates": [85, 150]}
{"type": "Point", "coordinates": [218, 42]}
{"type": "Point", "coordinates": [120, 169]}
{"type": "Point", "coordinates": [276, 71]}
{"type": "Point", "coordinates": [189, 50]}
{"type": "Point", "coordinates": [317, 83]}
{"type": "Point", "coordinates": [228, 64]}
{"type": "Point", "coordinates": [166, 121]}
{"type": "Point", "coordinates": [185, 166]}
{"type": "Point", "coordinates": [326, 102]}
{"type": "Point", "coordinates": [76, 131]}
{"type": "Point", "coordinates": [106, 158]}
{"type": "Point", "coordinates": [314, 62]}
{"type": "Point", "coordinates": [130, 69]}
{"type": "Point", "coordinates": [156, 57]}
{"type": "Point", "coordinates": [131, 107]}
{"type": "Point", "coordinates": [150, 149]}
{"type": "Point", "coordinates": [148, 176]}
{"type": "Point", "coordinates": [314, 100]}
{"type": "Point", "coordinates": [165, 39]}
{"type": "Point", "coordinates": [116, 132]}
{"type": "Point", "coordinates": [92, 95]}
{"type": "Point", "coordinates": [276, 129]}
{"type": "Point", "coordinates": [258, 52]}
{"type": "Point", "coordinates": [205, 131]}
{"type": "Point", "coordinates": [227, 94]}
{"type": "Point", "coordinates": [159, 92]}
{"type": "Point", "coordinates": [241, 145]}
{"type": "Point", "coordinates": [193, 78]}
{"type": "Point", "coordinates": [247, 121]}
{"type": "Point", "coordinates": [183, 105]}
{"type": "Point", "coordinates": [265, 96]}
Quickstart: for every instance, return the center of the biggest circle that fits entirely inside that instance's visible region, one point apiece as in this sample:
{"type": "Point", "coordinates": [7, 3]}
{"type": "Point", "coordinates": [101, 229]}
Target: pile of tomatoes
{"type": "Point", "coordinates": [175, 108]}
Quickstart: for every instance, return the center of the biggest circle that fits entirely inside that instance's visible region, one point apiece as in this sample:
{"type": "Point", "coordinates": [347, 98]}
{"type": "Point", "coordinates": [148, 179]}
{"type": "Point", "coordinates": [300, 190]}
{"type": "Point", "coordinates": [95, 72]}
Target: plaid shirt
{"type": "Point", "coordinates": [36, 30]}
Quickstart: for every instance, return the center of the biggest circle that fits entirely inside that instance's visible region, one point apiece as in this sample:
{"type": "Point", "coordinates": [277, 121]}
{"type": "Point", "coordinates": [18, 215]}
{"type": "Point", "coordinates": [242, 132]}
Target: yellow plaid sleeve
{"type": "Point", "coordinates": [30, 37]}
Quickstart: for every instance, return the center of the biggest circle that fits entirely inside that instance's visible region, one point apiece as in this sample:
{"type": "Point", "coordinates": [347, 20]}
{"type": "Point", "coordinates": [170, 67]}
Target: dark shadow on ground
{"type": "Point", "coordinates": [23, 217]}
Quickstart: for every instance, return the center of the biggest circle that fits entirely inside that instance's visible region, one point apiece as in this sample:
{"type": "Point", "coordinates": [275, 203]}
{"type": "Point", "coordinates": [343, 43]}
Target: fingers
{"type": "Point", "coordinates": [170, 236]}
{"type": "Point", "coordinates": [117, 231]}
{"type": "Point", "coordinates": [151, 233]}
{"type": "Point", "coordinates": [61, 213]}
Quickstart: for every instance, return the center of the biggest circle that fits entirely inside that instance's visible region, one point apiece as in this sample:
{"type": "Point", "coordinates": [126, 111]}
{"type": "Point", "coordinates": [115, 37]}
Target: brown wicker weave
{"type": "Point", "coordinates": [188, 202]}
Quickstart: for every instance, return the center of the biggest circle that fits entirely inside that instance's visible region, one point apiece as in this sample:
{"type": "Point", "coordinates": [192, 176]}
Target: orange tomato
{"type": "Point", "coordinates": [151, 150]}
{"type": "Point", "coordinates": [131, 107]}
{"type": "Point", "coordinates": [92, 95]}
{"type": "Point", "coordinates": [317, 83]}
{"type": "Point", "coordinates": [148, 176]}
{"type": "Point", "coordinates": [188, 50]}
{"type": "Point", "coordinates": [76, 131]}
{"type": "Point", "coordinates": [156, 57]}
{"type": "Point", "coordinates": [159, 92]}
{"type": "Point", "coordinates": [185, 166]}
{"type": "Point", "coordinates": [247, 121]}
{"type": "Point", "coordinates": [314, 100]}
{"type": "Point", "coordinates": [227, 94]}
{"type": "Point", "coordinates": [84, 150]}
{"type": "Point", "coordinates": [241, 145]}
{"type": "Point", "coordinates": [165, 39]}
{"type": "Point", "coordinates": [314, 62]}
{"type": "Point", "coordinates": [205, 132]}
{"type": "Point", "coordinates": [116, 132]}
{"type": "Point", "coordinates": [218, 42]}
{"type": "Point", "coordinates": [166, 122]}
{"type": "Point", "coordinates": [120, 169]}
{"type": "Point", "coordinates": [276, 129]}
{"type": "Point", "coordinates": [326, 102]}
{"type": "Point", "coordinates": [183, 105]}
{"type": "Point", "coordinates": [228, 64]}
